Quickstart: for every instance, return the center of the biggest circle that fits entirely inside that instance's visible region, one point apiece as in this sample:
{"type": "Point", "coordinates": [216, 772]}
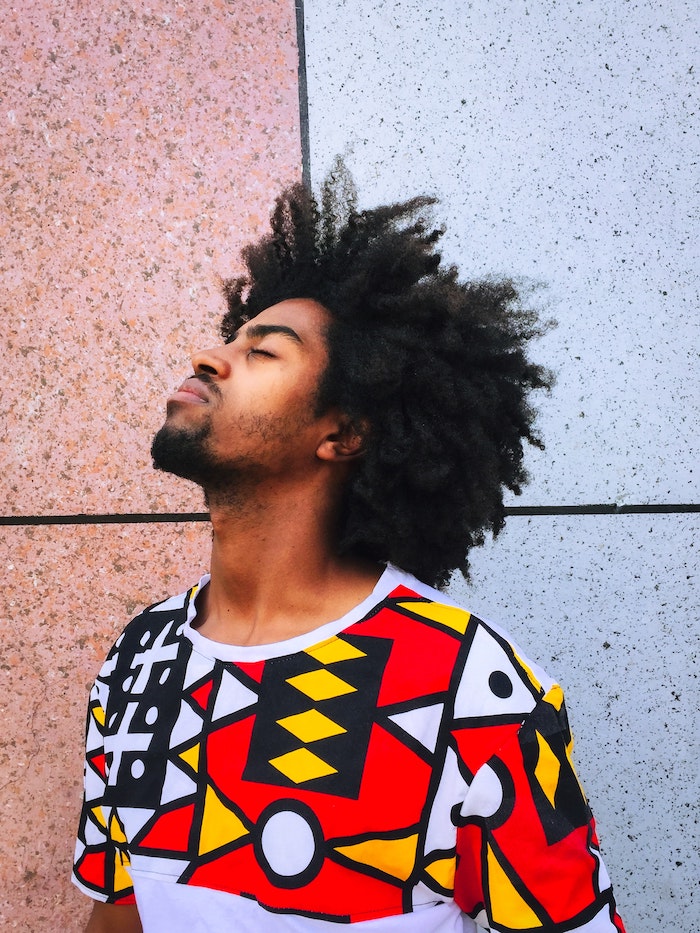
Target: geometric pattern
{"type": "Point", "coordinates": [413, 758]}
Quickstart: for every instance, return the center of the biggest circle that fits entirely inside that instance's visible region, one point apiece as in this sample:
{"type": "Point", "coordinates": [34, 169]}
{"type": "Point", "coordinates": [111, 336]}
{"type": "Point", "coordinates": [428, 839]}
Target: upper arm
{"type": "Point", "coordinates": [114, 918]}
{"type": "Point", "coordinates": [528, 847]}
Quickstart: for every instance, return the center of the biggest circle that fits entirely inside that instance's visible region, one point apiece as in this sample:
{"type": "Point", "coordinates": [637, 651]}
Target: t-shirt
{"type": "Point", "coordinates": [403, 768]}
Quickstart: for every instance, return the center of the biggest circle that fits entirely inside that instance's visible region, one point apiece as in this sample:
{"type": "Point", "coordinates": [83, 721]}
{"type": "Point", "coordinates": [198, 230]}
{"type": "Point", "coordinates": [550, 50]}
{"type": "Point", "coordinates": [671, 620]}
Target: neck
{"type": "Point", "coordinates": [275, 571]}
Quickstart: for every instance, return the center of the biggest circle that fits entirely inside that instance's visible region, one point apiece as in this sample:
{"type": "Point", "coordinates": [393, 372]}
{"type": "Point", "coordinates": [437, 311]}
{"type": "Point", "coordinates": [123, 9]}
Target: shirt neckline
{"type": "Point", "coordinates": [221, 651]}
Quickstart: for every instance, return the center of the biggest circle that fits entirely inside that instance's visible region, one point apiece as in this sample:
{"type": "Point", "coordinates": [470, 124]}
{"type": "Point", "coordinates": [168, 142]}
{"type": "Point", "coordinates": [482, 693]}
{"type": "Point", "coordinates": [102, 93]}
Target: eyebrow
{"type": "Point", "coordinates": [258, 331]}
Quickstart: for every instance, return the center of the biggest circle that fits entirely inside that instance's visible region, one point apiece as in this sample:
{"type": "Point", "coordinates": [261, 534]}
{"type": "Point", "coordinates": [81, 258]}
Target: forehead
{"type": "Point", "coordinates": [305, 317]}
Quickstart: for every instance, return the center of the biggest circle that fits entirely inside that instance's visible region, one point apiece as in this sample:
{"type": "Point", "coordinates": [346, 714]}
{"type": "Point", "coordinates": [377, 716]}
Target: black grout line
{"type": "Point", "coordinates": [303, 97]}
{"type": "Point", "coordinates": [660, 508]}
{"type": "Point", "coordinates": [131, 518]}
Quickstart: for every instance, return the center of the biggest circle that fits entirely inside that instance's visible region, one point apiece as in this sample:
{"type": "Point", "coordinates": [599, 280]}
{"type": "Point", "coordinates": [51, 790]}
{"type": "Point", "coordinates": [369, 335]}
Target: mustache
{"type": "Point", "coordinates": [208, 381]}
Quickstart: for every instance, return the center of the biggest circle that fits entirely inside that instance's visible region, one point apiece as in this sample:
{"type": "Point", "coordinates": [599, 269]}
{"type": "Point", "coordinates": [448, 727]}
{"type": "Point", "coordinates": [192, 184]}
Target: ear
{"type": "Point", "coordinates": [346, 442]}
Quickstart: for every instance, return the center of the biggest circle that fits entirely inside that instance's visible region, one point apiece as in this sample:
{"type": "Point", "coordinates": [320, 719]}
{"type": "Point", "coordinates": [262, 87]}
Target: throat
{"type": "Point", "coordinates": [288, 613]}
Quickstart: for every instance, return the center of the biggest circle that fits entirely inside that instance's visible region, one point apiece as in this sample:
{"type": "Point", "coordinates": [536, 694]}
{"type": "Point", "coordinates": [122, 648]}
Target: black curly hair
{"type": "Point", "coordinates": [436, 367]}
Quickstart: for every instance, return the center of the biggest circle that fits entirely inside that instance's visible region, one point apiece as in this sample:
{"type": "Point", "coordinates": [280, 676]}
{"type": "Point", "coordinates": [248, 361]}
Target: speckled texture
{"type": "Point", "coordinates": [68, 592]}
{"type": "Point", "coordinates": [606, 604]}
{"type": "Point", "coordinates": [141, 147]}
{"type": "Point", "coordinates": [563, 139]}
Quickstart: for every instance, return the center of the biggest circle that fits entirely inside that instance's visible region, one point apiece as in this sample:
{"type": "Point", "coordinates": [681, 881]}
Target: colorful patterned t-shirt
{"type": "Point", "coordinates": [402, 768]}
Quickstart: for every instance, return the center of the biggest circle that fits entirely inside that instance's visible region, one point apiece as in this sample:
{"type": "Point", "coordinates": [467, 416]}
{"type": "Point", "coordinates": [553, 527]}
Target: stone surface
{"type": "Point", "coordinates": [607, 604]}
{"type": "Point", "coordinates": [69, 591]}
{"type": "Point", "coordinates": [141, 148]}
{"type": "Point", "coordinates": [562, 139]}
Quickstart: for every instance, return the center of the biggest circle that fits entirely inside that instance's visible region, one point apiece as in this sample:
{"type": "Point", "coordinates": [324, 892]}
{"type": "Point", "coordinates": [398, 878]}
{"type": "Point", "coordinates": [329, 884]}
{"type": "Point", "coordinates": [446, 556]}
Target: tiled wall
{"type": "Point", "coordinates": [563, 140]}
{"type": "Point", "coordinates": [141, 147]}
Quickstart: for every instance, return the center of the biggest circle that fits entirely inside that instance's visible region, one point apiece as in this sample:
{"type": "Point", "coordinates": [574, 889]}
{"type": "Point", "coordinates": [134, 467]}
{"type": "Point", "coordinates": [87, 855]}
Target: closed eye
{"type": "Point", "coordinates": [258, 352]}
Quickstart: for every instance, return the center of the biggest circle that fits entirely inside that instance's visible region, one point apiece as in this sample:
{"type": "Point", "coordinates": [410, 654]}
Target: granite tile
{"type": "Point", "coordinates": [562, 141]}
{"type": "Point", "coordinates": [69, 591]}
{"type": "Point", "coordinates": [141, 148]}
{"type": "Point", "coordinates": [608, 604]}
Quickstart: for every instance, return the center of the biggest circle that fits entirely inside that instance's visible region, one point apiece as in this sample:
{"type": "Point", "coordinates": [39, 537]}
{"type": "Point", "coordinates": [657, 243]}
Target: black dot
{"type": "Point", "coordinates": [501, 684]}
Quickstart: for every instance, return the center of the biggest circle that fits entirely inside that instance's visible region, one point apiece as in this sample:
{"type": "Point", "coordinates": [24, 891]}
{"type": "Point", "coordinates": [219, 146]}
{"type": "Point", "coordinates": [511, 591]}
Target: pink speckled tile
{"type": "Point", "coordinates": [141, 148]}
{"type": "Point", "coordinates": [68, 592]}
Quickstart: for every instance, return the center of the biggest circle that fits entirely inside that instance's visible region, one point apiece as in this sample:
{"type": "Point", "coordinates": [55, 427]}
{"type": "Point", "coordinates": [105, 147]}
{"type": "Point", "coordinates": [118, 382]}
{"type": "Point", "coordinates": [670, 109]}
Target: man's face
{"type": "Point", "coordinates": [248, 412]}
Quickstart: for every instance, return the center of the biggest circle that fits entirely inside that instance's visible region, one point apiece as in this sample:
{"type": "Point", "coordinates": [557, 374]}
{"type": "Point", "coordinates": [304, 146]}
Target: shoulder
{"type": "Point", "coordinates": [151, 627]}
{"type": "Point", "coordinates": [485, 646]}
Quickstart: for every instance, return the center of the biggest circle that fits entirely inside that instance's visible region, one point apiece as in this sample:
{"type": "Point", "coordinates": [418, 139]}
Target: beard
{"type": "Point", "coordinates": [189, 452]}
{"type": "Point", "coordinates": [182, 452]}
{"type": "Point", "coordinates": [186, 453]}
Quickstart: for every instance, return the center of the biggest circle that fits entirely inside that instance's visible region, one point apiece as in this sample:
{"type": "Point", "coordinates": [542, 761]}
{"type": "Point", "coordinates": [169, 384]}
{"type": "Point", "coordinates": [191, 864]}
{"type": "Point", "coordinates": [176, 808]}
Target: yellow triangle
{"type": "Point", "coordinates": [450, 616]}
{"type": "Point", "coordinates": [547, 769]}
{"type": "Point", "coordinates": [116, 833]}
{"type": "Point", "coordinates": [98, 714]}
{"type": "Point", "coordinates": [554, 696]}
{"type": "Point", "coordinates": [507, 906]}
{"type": "Point", "coordinates": [220, 825]}
{"type": "Point", "coordinates": [122, 878]}
{"type": "Point", "coordinates": [395, 857]}
{"type": "Point", "coordinates": [442, 870]}
{"type": "Point", "coordinates": [191, 756]}
{"type": "Point", "coordinates": [333, 650]}
{"type": "Point", "coordinates": [99, 816]}
{"type": "Point", "coordinates": [524, 666]}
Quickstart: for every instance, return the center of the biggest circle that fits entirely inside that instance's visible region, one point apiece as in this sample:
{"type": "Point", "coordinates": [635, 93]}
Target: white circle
{"type": "Point", "coordinates": [151, 715]}
{"type": "Point", "coordinates": [137, 768]}
{"type": "Point", "coordinates": [145, 638]}
{"type": "Point", "coordinates": [288, 843]}
{"type": "Point", "coordinates": [164, 676]}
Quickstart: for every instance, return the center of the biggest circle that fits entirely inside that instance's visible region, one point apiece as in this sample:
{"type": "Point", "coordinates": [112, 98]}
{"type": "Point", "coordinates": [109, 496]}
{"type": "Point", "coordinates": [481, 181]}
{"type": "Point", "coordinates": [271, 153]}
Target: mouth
{"type": "Point", "coordinates": [191, 392]}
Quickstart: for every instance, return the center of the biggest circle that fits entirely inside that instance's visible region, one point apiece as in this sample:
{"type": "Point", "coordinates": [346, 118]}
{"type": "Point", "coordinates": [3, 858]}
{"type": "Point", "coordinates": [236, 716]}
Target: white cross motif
{"type": "Point", "coordinates": [157, 653]}
{"type": "Point", "coordinates": [125, 741]}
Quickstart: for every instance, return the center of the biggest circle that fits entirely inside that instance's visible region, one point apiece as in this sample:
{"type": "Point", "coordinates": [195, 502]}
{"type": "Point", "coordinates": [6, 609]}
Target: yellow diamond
{"type": "Point", "coordinates": [320, 685]}
{"type": "Point", "coordinates": [311, 726]}
{"type": "Point", "coordinates": [547, 769]}
{"type": "Point", "coordinates": [302, 765]}
{"type": "Point", "coordinates": [333, 650]}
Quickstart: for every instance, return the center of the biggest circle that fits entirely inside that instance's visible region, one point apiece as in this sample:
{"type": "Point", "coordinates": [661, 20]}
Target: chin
{"type": "Point", "coordinates": [180, 451]}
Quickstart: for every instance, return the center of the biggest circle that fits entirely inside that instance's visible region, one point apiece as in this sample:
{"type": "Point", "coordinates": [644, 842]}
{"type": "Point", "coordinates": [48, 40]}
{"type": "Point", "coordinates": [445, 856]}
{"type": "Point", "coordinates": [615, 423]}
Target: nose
{"type": "Point", "coordinates": [214, 362]}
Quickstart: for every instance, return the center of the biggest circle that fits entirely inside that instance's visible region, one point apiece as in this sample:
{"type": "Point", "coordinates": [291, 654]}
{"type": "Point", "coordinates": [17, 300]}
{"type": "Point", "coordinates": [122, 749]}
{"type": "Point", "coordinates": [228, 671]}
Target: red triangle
{"type": "Point", "coordinates": [477, 744]}
{"type": "Point", "coordinates": [92, 869]}
{"type": "Point", "coordinates": [253, 669]}
{"type": "Point", "coordinates": [98, 763]}
{"type": "Point", "coordinates": [201, 694]}
{"type": "Point", "coordinates": [170, 831]}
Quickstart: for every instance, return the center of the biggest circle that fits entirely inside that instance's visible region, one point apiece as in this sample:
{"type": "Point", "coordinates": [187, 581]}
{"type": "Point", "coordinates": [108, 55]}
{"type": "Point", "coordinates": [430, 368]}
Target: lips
{"type": "Point", "coordinates": [192, 391]}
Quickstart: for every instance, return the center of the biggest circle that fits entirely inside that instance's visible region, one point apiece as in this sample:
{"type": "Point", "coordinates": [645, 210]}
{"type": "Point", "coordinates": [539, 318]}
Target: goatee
{"type": "Point", "coordinates": [183, 453]}
{"type": "Point", "coordinates": [186, 453]}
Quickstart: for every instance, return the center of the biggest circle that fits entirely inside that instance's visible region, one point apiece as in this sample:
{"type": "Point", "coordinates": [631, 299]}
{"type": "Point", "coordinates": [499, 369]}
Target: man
{"type": "Point", "coordinates": [311, 736]}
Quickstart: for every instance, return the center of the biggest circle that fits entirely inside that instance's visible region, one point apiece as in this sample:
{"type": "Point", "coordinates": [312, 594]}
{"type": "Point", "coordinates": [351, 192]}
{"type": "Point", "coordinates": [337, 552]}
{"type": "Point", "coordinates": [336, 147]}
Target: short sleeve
{"type": "Point", "coordinates": [101, 863]}
{"type": "Point", "coordinates": [527, 851]}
